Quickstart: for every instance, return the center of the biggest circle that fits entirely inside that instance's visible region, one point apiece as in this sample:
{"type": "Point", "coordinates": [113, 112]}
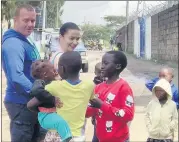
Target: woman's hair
{"type": "Point", "coordinates": [68, 26]}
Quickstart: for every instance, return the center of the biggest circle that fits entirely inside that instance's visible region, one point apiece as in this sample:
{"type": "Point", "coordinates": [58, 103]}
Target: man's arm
{"type": "Point", "coordinates": [175, 98]}
{"type": "Point", "coordinates": [150, 83]}
{"type": "Point", "coordinates": [13, 59]}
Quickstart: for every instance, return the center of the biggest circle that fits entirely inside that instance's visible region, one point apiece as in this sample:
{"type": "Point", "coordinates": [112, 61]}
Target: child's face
{"type": "Point", "coordinates": [166, 74]}
{"type": "Point", "coordinates": [160, 93]}
{"type": "Point", "coordinates": [108, 67]}
{"type": "Point", "coordinates": [48, 72]}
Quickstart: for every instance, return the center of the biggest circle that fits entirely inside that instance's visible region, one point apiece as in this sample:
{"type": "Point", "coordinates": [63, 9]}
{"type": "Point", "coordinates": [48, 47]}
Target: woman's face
{"type": "Point", "coordinates": [69, 40]}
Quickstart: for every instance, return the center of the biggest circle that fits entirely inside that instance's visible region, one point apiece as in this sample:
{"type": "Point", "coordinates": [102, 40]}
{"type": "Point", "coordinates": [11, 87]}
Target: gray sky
{"type": "Point", "coordinates": [93, 11]}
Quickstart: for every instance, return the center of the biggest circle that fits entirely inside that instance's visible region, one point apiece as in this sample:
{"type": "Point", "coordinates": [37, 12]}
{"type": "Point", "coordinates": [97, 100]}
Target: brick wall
{"type": "Point", "coordinates": [130, 39]}
{"type": "Point", "coordinates": [121, 37]}
{"type": "Point", "coordinates": [164, 32]}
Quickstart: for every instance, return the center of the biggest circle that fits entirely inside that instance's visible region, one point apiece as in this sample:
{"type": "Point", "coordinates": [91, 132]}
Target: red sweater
{"type": "Point", "coordinates": [115, 113]}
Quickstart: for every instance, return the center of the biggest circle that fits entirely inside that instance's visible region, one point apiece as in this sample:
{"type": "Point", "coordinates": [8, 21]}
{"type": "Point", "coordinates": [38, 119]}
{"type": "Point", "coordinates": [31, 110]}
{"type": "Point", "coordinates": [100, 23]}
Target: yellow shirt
{"type": "Point", "coordinates": [75, 100]}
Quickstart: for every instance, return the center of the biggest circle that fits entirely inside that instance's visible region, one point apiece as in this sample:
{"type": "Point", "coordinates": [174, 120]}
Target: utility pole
{"type": "Point", "coordinates": [137, 11]}
{"type": "Point", "coordinates": [44, 14]}
{"type": "Point", "coordinates": [44, 21]}
{"type": "Point", "coordinates": [127, 19]}
{"type": "Point", "coordinates": [57, 18]}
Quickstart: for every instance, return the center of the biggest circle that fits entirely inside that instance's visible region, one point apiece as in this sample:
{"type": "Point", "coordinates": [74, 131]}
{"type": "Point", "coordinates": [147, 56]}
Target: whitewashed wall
{"type": "Point", "coordinates": [148, 39]}
{"type": "Point", "coordinates": [136, 38]}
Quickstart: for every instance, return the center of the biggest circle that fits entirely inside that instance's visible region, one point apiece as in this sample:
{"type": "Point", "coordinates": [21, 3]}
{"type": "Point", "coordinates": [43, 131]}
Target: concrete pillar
{"type": "Point", "coordinates": [136, 38]}
{"type": "Point", "coordinates": [148, 39]}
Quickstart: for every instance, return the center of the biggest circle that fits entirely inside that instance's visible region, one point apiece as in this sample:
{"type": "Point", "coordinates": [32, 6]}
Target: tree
{"type": "Point", "coordinates": [114, 21]}
{"type": "Point", "coordinates": [7, 11]}
{"type": "Point", "coordinates": [95, 32]}
{"type": "Point", "coordinates": [8, 8]}
{"type": "Point", "coordinates": [54, 11]}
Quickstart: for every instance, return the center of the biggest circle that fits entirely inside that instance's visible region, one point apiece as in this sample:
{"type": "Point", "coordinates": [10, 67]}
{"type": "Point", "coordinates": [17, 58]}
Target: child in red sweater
{"type": "Point", "coordinates": [113, 107]}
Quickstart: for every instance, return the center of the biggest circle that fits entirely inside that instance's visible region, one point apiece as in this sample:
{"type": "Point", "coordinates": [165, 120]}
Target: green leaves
{"type": "Point", "coordinates": [54, 12]}
{"type": "Point", "coordinates": [114, 21]}
{"type": "Point", "coordinates": [53, 7]}
{"type": "Point", "coordinates": [95, 32]}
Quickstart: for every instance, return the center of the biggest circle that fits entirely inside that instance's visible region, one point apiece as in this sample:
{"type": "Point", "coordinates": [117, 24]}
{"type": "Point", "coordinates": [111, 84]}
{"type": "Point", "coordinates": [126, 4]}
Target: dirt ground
{"type": "Point", "coordinates": [137, 72]}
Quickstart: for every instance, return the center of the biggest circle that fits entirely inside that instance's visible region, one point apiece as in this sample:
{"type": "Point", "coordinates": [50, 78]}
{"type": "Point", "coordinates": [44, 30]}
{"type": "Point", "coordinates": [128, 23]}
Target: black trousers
{"type": "Point", "coordinates": [156, 140]}
{"type": "Point", "coordinates": [24, 126]}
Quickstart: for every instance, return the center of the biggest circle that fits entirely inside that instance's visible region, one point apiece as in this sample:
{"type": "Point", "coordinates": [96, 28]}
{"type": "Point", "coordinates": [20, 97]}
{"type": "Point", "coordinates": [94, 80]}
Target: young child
{"type": "Point", "coordinates": [113, 106]}
{"type": "Point", "coordinates": [97, 80]}
{"type": "Point", "coordinates": [161, 114]}
{"type": "Point", "coordinates": [73, 92]}
{"type": "Point", "coordinates": [166, 73]}
{"type": "Point", "coordinates": [44, 72]}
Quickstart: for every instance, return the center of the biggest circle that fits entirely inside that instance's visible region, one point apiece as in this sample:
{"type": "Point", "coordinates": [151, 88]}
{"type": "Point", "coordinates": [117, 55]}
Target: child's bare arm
{"type": "Point", "coordinates": [33, 104]}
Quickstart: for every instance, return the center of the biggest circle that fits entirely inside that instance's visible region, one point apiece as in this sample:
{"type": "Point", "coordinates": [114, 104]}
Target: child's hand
{"type": "Point", "coordinates": [58, 102]}
{"type": "Point", "coordinates": [96, 102]}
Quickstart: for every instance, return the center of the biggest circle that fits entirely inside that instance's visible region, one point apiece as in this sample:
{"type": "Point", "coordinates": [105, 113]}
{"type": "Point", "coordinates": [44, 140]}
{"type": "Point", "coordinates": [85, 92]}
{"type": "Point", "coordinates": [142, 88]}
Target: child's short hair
{"type": "Point", "coordinates": [98, 66]}
{"type": "Point", "coordinates": [119, 58]}
{"type": "Point", "coordinates": [38, 67]}
{"type": "Point", "coordinates": [72, 62]}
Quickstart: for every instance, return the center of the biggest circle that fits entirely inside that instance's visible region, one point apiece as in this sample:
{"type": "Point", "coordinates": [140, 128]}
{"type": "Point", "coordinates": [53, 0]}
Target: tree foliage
{"type": "Point", "coordinates": [8, 9]}
{"type": "Point", "coordinates": [95, 32]}
{"type": "Point", "coordinates": [114, 21]}
{"type": "Point", "coordinates": [53, 19]}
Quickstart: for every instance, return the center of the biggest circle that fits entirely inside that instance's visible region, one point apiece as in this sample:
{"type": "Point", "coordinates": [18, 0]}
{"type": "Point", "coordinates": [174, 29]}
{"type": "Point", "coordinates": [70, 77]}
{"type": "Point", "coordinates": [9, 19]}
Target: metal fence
{"type": "Point", "coordinates": [148, 10]}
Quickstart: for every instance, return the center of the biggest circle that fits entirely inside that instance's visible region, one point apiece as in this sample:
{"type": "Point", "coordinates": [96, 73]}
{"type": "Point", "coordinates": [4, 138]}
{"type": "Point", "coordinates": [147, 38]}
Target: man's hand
{"type": "Point", "coordinates": [96, 102]}
{"type": "Point", "coordinates": [58, 102]}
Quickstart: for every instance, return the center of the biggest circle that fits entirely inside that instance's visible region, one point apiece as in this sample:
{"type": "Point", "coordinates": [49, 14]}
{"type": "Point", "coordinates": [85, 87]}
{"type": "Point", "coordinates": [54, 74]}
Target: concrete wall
{"type": "Point", "coordinates": [136, 38]}
{"type": "Point", "coordinates": [130, 39]}
{"type": "Point", "coordinates": [164, 31]}
{"type": "Point", "coordinates": [148, 38]}
{"type": "Point", "coordinates": [121, 37]}
{"type": "Point", "coordinates": [161, 36]}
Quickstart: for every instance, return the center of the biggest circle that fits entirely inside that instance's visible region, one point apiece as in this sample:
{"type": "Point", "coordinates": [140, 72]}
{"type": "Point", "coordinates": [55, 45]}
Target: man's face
{"type": "Point", "coordinates": [164, 73]}
{"type": "Point", "coordinates": [70, 40]}
{"type": "Point", "coordinates": [25, 22]}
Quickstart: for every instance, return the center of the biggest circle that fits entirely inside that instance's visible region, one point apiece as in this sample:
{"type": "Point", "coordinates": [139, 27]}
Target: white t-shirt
{"type": "Point", "coordinates": [55, 58]}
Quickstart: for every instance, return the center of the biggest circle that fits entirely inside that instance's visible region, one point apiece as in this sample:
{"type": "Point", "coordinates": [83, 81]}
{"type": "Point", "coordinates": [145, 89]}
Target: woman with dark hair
{"type": "Point", "coordinates": [69, 38]}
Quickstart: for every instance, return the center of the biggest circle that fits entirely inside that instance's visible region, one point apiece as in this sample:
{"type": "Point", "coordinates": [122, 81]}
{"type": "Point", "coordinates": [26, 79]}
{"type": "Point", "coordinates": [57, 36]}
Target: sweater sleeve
{"type": "Point", "coordinates": [148, 122]}
{"type": "Point", "coordinates": [13, 59]}
{"type": "Point", "coordinates": [174, 122]}
{"type": "Point", "coordinates": [176, 97]}
{"type": "Point", "coordinates": [150, 83]}
{"type": "Point", "coordinates": [125, 112]}
{"type": "Point", "coordinates": [90, 112]}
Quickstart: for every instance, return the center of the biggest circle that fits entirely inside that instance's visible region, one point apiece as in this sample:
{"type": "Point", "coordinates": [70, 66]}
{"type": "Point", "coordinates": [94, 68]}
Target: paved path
{"type": "Point", "coordinates": [135, 74]}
